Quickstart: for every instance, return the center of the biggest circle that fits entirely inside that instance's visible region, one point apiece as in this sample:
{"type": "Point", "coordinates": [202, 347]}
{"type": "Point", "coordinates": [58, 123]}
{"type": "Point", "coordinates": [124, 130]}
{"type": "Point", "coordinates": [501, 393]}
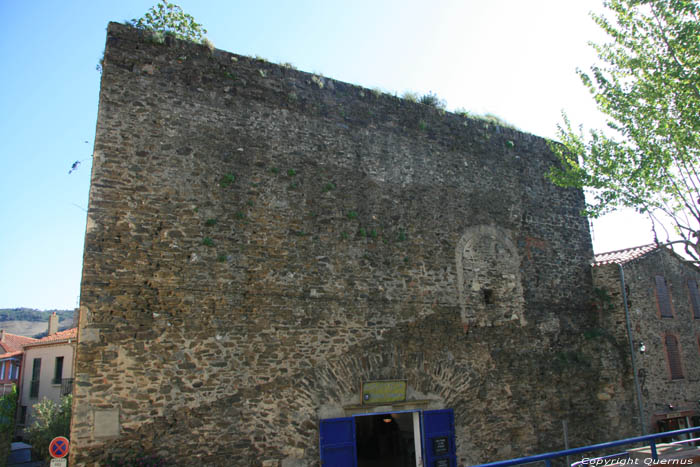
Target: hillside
{"type": "Point", "coordinates": [31, 322]}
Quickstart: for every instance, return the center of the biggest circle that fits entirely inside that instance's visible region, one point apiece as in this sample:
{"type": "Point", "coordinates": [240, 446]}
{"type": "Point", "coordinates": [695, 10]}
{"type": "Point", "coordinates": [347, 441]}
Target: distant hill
{"type": "Point", "coordinates": [33, 323]}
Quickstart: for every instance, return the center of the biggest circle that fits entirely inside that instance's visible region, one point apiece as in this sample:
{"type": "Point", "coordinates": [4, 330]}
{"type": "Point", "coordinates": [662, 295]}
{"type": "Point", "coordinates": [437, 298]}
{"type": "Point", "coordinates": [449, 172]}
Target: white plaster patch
{"type": "Point", "coordinates": [106, 423]}
{"type": "Point", "coordinates": [488, 277]}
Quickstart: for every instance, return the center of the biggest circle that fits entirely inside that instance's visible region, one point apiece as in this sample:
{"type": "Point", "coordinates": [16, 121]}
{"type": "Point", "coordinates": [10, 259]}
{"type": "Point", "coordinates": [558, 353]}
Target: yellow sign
{"type": "Point", "coordinates": [382, 392]}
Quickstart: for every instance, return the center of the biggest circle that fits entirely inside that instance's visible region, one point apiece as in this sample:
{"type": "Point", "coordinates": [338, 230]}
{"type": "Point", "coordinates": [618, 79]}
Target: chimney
{"type": "Point", "coordinates": [53, 324]}
{"type": "Point", "coordinates": [2, 335]}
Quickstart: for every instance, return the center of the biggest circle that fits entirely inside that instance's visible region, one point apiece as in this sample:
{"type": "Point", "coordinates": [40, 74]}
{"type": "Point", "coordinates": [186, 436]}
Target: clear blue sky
{"type": "Point", "coordinates": [512, 58]}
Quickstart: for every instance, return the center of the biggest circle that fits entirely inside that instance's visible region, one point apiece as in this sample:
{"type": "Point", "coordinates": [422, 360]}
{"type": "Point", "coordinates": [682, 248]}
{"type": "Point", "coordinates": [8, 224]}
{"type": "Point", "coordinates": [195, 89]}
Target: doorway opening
{"type": "Point", "coordinates": [387, 440]}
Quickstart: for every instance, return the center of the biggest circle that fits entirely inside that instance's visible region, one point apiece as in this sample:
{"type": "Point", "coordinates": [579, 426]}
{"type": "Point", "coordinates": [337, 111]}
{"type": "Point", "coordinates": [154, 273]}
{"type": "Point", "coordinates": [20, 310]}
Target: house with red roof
{"type": "Point", "coordinates": [11, 346]}
{"type": "Point", "coordinates": [49, 369]}
{"type": "Point", "coordinates": [649, 304]}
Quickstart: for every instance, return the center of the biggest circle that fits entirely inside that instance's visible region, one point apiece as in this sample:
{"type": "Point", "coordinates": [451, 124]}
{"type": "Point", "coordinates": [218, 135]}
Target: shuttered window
{"type": "Point", "coordinates": [674, 357]}
{"type": "Point", "coordinates": [694, 298]}
{"type": "Point", "coordinates": [663, 298]}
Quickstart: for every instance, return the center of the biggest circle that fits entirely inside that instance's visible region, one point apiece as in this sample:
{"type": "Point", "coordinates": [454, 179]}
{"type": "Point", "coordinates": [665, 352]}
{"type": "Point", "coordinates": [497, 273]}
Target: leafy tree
{"type": "Point", "coordinates": [8, 409]}
{"type": "Point", "coordinates": [168, 18]}
{"type": "Point", "coordinates": [50, 420]}
{"type": "Point", "coordinates": [649, 89]}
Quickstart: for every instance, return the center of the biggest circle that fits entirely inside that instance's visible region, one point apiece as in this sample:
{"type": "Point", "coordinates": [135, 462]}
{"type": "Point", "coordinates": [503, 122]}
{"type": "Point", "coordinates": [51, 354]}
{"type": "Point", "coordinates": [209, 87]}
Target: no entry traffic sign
{"type": "Point", "coordinates": [59, 447]}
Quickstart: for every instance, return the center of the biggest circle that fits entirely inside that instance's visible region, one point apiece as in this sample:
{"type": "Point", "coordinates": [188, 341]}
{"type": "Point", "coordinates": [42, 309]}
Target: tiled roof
{"type": "Point", "coordinates": [625, 255]}
{"type": "Point", "coordinates": [56, 338]}
{"type": "Point", "coordinates": [12, 344]}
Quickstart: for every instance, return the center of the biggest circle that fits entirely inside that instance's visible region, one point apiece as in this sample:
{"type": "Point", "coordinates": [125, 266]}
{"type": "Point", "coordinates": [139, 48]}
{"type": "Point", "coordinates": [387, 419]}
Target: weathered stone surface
{"type": "Point", "coordinates": [261, 240]}
{"type": "Point", "coordinates": [661, 396]}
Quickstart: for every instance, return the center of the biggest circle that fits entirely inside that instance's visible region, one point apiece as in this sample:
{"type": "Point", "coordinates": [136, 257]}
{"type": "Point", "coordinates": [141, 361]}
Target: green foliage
{"type": "Point", "coordinates": [210, 222]}
{"type": "Point", "coordinates": [28, 314]}
{"type": "Point", "coordinates": [487, 117]}
{"type": "Point", "coordinates": [8, 409]}
{"type": "Point", "coordinates": [207, 241]}
{"type": "Point", "coordinates": [569, 359]}
{"type": "Point", "coordinates": [401, 236]}
{"type": "Point", "coordinates": [432, 100]}
{"type": "Point", "coordinates": [495, 119]}
{"type": "Point", "coordinates": [593, 333]}
{"type": "Point", "coordinates": [50, 420]}
{"type": "Point", "coordinates": [352, 214]}
{"type": "Point", "coordinates": [649, 89]}
{"type": "Point", "coordinates": [291, 172]}
{"type": "Point", "coordinates": [410, 96]}
{"type": "Point", "coordinates": [227, 180]}
{"type": "Point", "coordinates": [222, 258]}
{"type": "Point", "coordinates": [603, 300]}
{"type": "Point", "coordinates": [168, 18]}
{"type": "Point", "coordinates": [329, 186]}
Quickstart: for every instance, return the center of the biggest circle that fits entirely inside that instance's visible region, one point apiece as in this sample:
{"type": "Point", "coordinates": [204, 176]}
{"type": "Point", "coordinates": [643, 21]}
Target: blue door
{"type": "Point", "coordinates": [439, 448]}
{"type": "Point", "coordinates": [337, 438]}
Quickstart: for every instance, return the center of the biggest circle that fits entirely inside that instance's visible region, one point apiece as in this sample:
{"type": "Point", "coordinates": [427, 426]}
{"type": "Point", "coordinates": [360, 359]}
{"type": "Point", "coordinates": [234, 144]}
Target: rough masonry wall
{"type": "Point", "coordinates": [261, 240]}
{"type": "Point", "coordinates": [657, 389]}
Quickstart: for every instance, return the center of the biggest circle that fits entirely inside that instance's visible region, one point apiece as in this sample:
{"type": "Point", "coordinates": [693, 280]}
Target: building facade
{"type": "Point", "coordinates": [11, 359]}
{"type": "Point", "coordinates": [284, 269]}
{"type": "Point", "coordinates": [656, 292]}
{"type": "Point", "coordinates": [48, 374]}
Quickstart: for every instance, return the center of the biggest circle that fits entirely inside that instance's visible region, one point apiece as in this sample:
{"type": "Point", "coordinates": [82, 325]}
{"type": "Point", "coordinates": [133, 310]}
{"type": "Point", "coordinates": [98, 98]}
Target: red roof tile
{"type": "Point", "coordinates": [56, 338]}
{"type": "Point", "coordinates": [623, 256]}
{"type": "Point", "coordinates": [12, 345]}
{"type": "Point", "coordinates": [13, 342]}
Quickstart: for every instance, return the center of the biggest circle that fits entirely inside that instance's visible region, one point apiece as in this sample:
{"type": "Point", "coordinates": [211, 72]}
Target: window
{"type": "Point", "coordinates": [2, 370]}
{"type": "Point", "coordinates": [23, 415]}
{"type": "Point", "coordinates": [674, 356]}
{"type": "Point", "coordinates": [36, 371]}
{"type": "Point", "coordinates": [694, 298]}
{"type": "Point", "coordinates": [58, 371]}
{"type": "Point", "coordinates": [663, 298]}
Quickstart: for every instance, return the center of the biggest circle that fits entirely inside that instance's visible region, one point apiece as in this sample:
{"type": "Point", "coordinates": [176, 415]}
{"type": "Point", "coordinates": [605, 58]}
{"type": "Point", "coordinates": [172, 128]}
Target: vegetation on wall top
{"type": "Point", "coordinates": [168, 18]}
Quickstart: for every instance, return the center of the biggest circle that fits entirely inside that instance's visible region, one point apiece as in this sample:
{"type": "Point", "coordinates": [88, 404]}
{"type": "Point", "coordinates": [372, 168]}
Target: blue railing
{"type": "Point", "coordinates": [547, 457]}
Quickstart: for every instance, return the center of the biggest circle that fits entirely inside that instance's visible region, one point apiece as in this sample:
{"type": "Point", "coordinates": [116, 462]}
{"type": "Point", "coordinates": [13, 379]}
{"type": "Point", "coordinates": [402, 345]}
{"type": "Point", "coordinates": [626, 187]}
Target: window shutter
{"type": "Point", "coordinates": [663, 297]}
{"type": "Point", "coordinates": [674, 357]}
{"type": "Point", "coordinates": [694, 298]}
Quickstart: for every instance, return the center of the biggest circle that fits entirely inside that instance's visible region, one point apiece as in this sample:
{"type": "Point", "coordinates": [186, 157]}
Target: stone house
{"type": "Point", "coordinates": [48, 364]}
{"type": "Point", "coordinates": [284, 269]}
{"type": "Point", "coordinates": [649, 303]}
{"type": "Point", "coordinates": [11, 359]}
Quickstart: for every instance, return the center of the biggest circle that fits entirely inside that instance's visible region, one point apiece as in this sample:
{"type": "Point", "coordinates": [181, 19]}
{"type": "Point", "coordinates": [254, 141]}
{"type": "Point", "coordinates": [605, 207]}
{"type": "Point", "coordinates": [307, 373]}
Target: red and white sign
{"type": "Point", "coordinates": [59, 447]}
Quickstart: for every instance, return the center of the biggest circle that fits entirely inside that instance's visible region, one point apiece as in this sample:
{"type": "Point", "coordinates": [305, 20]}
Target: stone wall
{"type": "Point", "coordinates": [657, 389]}
{"type": "Point", "coordinates": [261, 240]}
